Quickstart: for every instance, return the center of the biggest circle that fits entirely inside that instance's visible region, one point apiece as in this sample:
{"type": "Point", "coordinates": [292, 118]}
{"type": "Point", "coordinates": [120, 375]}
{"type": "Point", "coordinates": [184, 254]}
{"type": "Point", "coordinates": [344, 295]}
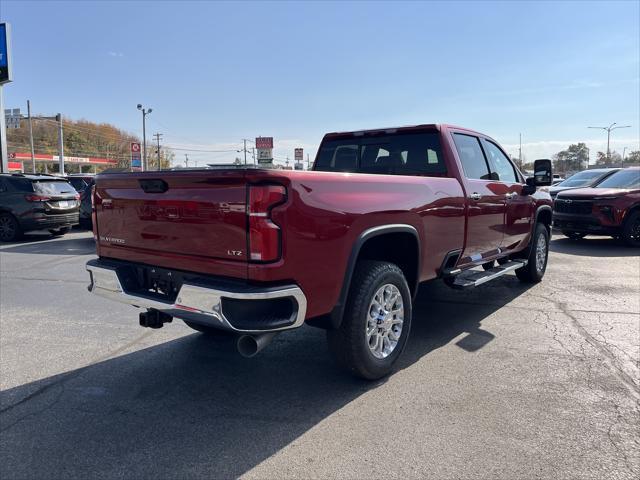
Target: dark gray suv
{"type": "Point", "coordinates": [36, 202]}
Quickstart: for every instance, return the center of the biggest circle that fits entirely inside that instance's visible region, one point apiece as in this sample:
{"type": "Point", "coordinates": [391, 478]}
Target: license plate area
{"type": "Point", "coordinates": [152, 282]}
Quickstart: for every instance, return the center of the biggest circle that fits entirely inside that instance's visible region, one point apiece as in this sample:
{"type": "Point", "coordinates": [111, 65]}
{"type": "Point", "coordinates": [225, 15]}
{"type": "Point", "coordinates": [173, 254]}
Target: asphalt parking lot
{"type": "Point", "coordinates": [505, 381]}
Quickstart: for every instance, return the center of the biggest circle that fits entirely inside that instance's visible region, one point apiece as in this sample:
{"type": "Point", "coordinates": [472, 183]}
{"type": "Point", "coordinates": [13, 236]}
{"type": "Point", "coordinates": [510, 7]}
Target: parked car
{"type": "Point", "coordinates": [36, 202]}
{"type": "Point", "coordinates": [583, 179]}
{"type": "Point", "coordinates": [612, 208]}
{"type": "Point", "coordinates": [256, 252]}
{"type": "Point", "coordinates": [83, 183]}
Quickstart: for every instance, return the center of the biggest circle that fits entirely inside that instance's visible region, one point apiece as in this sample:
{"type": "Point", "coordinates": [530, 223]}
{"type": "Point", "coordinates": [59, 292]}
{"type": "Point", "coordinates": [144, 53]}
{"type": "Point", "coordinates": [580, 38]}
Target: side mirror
{"type": "Point", "coordinates": [542, 174]}
{"type": "Point", "coordinates": [530, 187]}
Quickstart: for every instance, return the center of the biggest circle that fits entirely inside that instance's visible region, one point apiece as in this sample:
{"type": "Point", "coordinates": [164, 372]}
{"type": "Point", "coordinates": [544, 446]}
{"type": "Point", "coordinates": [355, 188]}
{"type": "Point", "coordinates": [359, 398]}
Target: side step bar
{"type": "Point", "coordinates": [473, 278]}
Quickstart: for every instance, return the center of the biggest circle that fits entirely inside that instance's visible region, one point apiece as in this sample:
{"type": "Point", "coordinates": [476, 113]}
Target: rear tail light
{"type": "Point", "coordinates": [264, 235]}
{"type": "Point", "coordinates": [36, 198]}
{"type": "Point", "coordinates": [77, 197]}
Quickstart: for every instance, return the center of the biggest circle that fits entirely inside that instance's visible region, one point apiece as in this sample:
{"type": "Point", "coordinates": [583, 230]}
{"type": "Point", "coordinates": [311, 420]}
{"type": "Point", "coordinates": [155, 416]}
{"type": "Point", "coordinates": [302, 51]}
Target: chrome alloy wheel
{"type": "Point", "coordinates": [384, 321]}
{"type": "Point", "coordinates": [541, 253]}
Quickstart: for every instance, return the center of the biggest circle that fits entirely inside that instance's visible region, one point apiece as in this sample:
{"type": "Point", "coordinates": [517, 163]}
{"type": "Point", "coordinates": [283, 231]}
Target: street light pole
{"type": "Point", "coordinates": [608, 130]}
{"type": "Point", "coordinates": [624, 150]}
{"type": "Point", "coordinates": [33, 155]}
{"type": "Point", "coordinates": [145, 112]}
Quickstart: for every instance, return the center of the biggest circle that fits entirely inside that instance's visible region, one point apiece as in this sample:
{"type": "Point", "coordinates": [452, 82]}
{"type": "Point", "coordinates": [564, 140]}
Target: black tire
{"type": "Point", "coordinates": [574, 235]}
{"type": "Point", "coordinates": [631, 230]}
{"type": "Point", "coordinates": [349, 343]}
{"type": "Point", "coordinates": [532, 273]}
{"type": "Point", "coordinates": [10, 230]}
{"type": "Point", "coordinates": [209, 331]}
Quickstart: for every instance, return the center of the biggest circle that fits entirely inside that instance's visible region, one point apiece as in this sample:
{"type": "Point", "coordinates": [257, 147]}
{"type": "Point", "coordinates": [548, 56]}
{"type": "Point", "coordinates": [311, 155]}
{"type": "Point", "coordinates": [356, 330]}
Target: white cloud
{"type": "Point", "coordinates": [115, 54]}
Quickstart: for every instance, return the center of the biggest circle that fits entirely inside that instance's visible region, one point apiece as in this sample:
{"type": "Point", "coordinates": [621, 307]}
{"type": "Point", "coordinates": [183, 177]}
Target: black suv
{"type": "Point", "coordinates": [36, 202]}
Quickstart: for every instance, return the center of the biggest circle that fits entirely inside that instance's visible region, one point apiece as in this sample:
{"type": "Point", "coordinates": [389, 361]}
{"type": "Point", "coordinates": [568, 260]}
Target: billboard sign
{"type": "Point", "coordinates": [136, 159]}
{"type": "Point", "coordinates": [264, 146]}
{"type": "Point", "coordinates": [5, 53]}
{"type": "Point", "coordinates": [265, 155]}
{"type": "Point", "coordinates": [264, 142]}
{"type": "Point", "coordinates": [299, 154]}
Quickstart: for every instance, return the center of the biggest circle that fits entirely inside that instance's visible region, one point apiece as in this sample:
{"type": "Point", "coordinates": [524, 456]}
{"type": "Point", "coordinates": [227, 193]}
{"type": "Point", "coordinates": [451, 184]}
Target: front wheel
{"type": "Point", "coordinates": [631, 230]}
{"type": "Point", "coordinates": [534, 270]}
{"type": "Point", "coordinates": [376, 323]}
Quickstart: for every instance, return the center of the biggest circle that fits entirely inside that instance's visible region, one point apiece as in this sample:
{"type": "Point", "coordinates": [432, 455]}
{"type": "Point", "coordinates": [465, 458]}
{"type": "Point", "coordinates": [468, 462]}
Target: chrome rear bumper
{"type": "Point", "coordinates": [203, 304]}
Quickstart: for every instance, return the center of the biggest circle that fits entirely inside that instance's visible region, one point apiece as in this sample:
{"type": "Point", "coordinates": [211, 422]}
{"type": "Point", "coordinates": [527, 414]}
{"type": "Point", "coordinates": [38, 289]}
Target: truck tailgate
{"type": "Point", "coordinates": [199, 216]}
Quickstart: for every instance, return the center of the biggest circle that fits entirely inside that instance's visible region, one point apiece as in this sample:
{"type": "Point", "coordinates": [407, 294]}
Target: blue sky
{"type": "Point", "coordinates": [215, 72]}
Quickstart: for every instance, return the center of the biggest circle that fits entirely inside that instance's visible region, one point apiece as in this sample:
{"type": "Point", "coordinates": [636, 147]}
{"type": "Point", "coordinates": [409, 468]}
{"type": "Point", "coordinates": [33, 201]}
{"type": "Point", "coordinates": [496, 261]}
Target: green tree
{"type": "Point", "coordinates": [633, 158]}
{"type": "Point", "coordinates": [574, 158]}
{"type": "Point", "coordinates": [614, 159]}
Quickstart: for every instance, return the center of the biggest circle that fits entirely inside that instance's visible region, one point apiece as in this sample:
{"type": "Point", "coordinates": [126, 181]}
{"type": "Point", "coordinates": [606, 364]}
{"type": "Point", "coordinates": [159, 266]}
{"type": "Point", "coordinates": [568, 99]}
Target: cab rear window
{"type": "Point", "coordinates": [397, 154]}
{"type": "Point", "coordinates": [53, 187]}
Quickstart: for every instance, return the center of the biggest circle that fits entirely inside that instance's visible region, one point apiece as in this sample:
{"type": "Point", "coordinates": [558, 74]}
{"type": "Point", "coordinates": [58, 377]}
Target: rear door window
{"type": "Point", "coordinates": [399, 154]}
{"type": "Point", "coordinates": [53, 187]}
{"type": "Point", "coordinates": [473, 162]}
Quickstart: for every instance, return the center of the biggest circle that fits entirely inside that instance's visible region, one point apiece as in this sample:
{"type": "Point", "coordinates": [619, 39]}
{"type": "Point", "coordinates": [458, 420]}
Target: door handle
{"type": "Point", "coordinates": [475, 196]}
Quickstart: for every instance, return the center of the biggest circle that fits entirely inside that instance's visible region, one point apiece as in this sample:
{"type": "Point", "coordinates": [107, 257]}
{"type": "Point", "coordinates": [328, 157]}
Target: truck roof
{"type": "Point", "coordinates": [405, 128]}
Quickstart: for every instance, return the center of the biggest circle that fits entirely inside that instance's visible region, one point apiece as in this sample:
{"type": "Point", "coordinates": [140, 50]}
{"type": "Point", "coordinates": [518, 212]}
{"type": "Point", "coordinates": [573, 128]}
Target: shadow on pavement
{"type": "Point", "coordinates": [192, 407]}
{"type": "Point", "coordinates": [592, 247]}
{"type": "Point", "coordinates": [47, 245]}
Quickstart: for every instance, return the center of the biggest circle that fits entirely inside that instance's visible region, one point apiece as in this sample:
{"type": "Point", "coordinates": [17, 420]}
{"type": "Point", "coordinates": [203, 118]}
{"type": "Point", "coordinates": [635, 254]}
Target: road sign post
{"type": "Point", "coordinates": [136, 161]}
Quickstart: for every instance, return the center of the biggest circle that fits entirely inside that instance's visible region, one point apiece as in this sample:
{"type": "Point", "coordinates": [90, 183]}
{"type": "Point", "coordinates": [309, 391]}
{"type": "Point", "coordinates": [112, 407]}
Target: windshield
{"type": "Point", "coordinates": [623, 179]}
{"type": "Point", "coordinates": [399, 154]}
{"type": "Point", "coordinates": [583, 179]}
{"type": "Point", "coordinates": [53, 187]}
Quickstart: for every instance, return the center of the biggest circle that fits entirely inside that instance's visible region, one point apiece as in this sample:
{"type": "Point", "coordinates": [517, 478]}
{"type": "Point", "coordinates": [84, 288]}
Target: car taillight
{"type": "Point", "coordinates": [77, 197]}
{"type": "Point", "coordinates": [37, 198]}
{"type": "Point", "coordinates": [264, 235]}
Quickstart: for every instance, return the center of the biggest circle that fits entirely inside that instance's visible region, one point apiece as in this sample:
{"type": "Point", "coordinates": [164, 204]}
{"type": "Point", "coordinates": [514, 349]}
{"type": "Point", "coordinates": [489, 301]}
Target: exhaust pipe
{"type": "Point", "coordinates": [250, 345]}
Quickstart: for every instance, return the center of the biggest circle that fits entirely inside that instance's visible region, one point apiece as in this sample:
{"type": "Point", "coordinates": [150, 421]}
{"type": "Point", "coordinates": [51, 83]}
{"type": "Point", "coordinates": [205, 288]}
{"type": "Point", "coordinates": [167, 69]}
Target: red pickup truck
{"type": "Point", "coordinates": [343, 247]}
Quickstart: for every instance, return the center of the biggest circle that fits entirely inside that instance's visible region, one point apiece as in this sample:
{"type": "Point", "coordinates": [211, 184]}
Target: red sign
{"type": "Point", "coordinates": [135, 147]}
{"type": "Point", "coordinates": [264, 142]}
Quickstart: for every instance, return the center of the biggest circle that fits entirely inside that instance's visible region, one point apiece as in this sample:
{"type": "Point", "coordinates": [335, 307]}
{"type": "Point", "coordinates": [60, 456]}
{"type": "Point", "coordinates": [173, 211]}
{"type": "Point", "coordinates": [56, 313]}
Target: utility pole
{"type": "Point", "coordinates": [158, 136]}
{"type": "Point", "coordinates": [33, 155]}
{"type": "Point", "coordinates": [145, 112]}
{"type": "Point", "coordinates": [624, 150]}
{"type": "Point", "coordinates": [308, 163]}
{"type": "Point", "coordinates": [244, 140]}
{"type": "Point", "coordinates": [186, 160]}
{"type": "Point", "coordinates": [60, 144]}
{"type": "Point", "coordinates": [608, 130]}
{"type": "Point", "coordinates": [520, 152]}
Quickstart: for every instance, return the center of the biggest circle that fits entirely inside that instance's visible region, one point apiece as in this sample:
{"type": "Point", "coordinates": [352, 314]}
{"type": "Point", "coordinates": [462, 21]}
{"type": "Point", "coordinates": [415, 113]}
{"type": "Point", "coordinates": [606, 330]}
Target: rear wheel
{"type": "Point", "coordinates": [376, 323]}
{"type": "Point", "coordinates": [9, 228]}
{"type": "Point", "coordinates": [534, 270]}
{"type": "Point", "coordinates": [574, 235]}
{"type": "Point", "coordinates": [631, 230]}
